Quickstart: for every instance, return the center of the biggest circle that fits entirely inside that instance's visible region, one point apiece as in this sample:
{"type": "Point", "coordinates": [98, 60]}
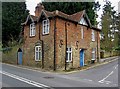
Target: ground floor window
{"type": "Point", "coordinates": [38, 53]}
{"type": "Point", "coordinates": [93, 54]}
{"type": "Point", "coordinates": [69, 54]}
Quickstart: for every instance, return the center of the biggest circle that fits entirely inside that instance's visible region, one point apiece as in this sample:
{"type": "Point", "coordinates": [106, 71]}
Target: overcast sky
{"type": "Point", "coordinates": [31, 4]}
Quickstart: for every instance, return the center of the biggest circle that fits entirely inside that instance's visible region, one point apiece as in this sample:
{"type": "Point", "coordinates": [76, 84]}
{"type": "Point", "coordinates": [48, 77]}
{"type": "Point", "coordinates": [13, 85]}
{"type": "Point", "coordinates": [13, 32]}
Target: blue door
{"type": "Point", "coordinates": [20, 58]}
{"type": "Point", "coordinates": [82, 57]}
{"type": "Point", "coordinates": [19, 55]}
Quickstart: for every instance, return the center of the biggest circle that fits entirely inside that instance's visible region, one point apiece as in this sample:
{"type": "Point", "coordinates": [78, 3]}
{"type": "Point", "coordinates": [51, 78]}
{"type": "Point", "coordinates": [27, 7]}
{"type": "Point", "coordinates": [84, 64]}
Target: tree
{"type": "Point", "coordinates": [13, 14]}
{"type": "Point", "coordinates": [73, 7]}
{"type": "Point", "coordinates": [118, 28]}
{"type": "Point", "coordinates": [108, 21]}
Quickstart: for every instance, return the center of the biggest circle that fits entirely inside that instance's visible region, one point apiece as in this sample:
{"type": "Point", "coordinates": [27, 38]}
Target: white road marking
{"type": "Point", "coordinates": [88, 80]}
{"type": "Point", "coordinates": [103, 80]}
{"type": "Point", "coordinates": [36, 84]}
{"type": "Point", "coordinates": [116, 66]}
{"type": "Point", "coordinates": [20, 67]}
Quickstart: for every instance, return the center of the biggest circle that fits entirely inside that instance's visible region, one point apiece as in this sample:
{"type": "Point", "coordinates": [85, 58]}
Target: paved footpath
{"type": "Point", "coordinates": [109, 59]}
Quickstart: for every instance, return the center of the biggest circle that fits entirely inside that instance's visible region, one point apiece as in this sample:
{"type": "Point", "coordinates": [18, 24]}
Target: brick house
{"type": "Point", "coordinates": [55, 40]}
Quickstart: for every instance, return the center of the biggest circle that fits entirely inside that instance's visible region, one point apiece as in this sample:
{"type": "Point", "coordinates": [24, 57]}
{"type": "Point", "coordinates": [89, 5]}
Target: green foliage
{"type": "Point", "coordinates": [109, 25]}
{"type": "Point", "coordinates": [118, 48]}
{"type": "Point", "coordinates": [13, 14]}
{"type": "Point", "coordinates": [9, 54]}
{"type": "Point", "coordinates": [73, 7]}
{"type": "Point", "coordinates": [118, 27]}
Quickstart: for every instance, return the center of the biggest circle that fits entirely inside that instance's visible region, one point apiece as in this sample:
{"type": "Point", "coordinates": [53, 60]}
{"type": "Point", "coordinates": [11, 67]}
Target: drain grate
{"type": "Point", "coordinates": [48, 77]}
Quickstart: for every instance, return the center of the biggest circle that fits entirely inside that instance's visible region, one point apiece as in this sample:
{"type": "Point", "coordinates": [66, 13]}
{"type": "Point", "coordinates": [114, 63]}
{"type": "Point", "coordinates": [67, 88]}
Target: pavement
{"type": "Point", "coordinates": [108, 59]}
{"type": "Point", "coordinates": [99, 76]}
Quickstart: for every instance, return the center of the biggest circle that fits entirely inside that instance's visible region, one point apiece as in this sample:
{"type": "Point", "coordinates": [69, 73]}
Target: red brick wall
{"type": "Point", "coordinates": [29, 46]}
{"type": "Point", "coordinates": [48, 46]}
{"type": "Point", "coordinates": [73, 35]}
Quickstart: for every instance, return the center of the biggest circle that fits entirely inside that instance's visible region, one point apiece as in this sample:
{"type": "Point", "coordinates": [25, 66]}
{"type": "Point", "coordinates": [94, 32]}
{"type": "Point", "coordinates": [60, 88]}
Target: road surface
{"type": "Point", "coordinates": [102, 76]}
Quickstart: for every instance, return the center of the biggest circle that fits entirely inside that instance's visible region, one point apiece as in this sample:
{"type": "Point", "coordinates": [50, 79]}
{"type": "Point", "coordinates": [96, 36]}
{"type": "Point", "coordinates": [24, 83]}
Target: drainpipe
{"type": "Point", "coordinates": [65, 44]}
{"type": "Point", "coordinates": [97, 48]}
{"type": "Point", "coordinates": [42, 47]}
{"type": "Point", "coordinates": [54, 44]}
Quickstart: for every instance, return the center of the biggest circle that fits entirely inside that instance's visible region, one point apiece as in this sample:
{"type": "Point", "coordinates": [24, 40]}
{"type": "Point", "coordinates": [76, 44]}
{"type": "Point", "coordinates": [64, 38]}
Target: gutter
{"type": "Point", "coordinates": [65, 44]}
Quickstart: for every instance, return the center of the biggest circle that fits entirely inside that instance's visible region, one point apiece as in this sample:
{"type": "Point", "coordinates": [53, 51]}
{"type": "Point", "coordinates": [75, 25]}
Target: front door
{"type": "Point", "coordinates": [20, 58]}
{"type": "Point", "coordinates": [81, 57]}
{"type": "Point", "coordinates": [19, 55]}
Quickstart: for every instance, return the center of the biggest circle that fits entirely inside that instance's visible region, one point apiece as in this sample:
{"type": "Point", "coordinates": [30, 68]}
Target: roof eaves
{"type": "Point", "coordinates": [41, 14]}
{"type": "Point", "coordinates": [26, 20]}
{"type": "Point", "coordinates": [95, 28]}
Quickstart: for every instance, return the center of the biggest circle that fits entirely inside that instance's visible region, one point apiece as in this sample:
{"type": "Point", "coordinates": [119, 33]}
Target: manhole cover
{"type": "Point", "coordinates": [48, 77]}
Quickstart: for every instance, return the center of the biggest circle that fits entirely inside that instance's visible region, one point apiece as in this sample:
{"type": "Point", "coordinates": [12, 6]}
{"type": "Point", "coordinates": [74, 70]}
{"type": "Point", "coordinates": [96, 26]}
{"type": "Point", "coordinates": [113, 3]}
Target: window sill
{"type": "Point", "coordinates": [68, 61]}
{"type": "Point", "coordinates": [92, 59]}
{"type": "Point", "coordinates": [37, 60]}
{"type": "Point", "coordinates": [45, 34]}
{"type": "Point", "coordinates": [93, 40]}
{"type": "Point", "coordinates": [31, 36]}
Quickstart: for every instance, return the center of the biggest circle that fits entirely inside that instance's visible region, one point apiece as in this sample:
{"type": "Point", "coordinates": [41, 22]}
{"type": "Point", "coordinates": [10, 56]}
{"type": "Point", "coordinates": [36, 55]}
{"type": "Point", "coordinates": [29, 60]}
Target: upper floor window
{"type": "Point", "coordinates": [69, 54]}
{"type": "Point", "coordinates": [46, 26]}
{"type": "Point", "coordinates": [93, 35]}
{"type": "Point", "coordinates": [32, 29]}
{"type": "Point", "coordinates": [82, 33]}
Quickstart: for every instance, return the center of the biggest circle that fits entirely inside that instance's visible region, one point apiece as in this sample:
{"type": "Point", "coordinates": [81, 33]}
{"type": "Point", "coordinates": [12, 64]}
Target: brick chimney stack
{"type": "Point", "coordinates": [38, 9]}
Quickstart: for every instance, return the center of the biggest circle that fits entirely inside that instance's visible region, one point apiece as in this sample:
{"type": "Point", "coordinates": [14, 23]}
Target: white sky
{"type": "Point", "coordinates": [31, 4]}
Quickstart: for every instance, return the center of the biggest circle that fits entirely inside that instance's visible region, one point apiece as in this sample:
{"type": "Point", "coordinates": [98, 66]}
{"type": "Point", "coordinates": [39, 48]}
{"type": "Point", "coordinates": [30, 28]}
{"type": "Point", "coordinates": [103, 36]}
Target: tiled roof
{"type": "Point", "coordinates": [74, 17]}
{"type": "Point", "coordinates": [77, 16]}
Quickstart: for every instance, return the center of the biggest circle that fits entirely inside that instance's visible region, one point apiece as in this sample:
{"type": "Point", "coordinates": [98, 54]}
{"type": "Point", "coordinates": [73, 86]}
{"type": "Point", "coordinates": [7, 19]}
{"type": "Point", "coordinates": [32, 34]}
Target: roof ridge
{"type": "Point", "coordinates": [77, 12]}
{"type": "Point", "coordinates": [63, 13]}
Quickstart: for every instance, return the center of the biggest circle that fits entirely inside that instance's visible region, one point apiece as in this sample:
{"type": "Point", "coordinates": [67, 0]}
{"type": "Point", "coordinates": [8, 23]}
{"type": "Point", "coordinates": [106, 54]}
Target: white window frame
{"type": "Point", "coordinates": [82, 33]}
{"type": "Point", "coordinates": [32, 29]}
{"type": "Point", "coordinates": [39, 52]}
{"type": "Point", "coordinates": [93, 53]}
{"type": "Point", "coordinates": [68, 52]}
{"type": "Point", "coordinates": [45, 26]}
{"type": "Point", "coordinates": [93, 35]}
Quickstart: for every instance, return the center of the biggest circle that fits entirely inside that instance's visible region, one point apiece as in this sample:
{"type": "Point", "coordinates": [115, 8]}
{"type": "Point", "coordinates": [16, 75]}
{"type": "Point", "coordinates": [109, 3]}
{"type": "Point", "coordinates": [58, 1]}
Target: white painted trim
{"type": "Point", "coordinates": [82, 32]}
{"type": "Point", "coordinates": [93, 35]}
{"type": "Point", "coordinates": [37, 51]}
{"type": "Point", "coordinates": [69, 54]}
{"type": "Point", "coordinates": [93, 52]}
{"type": "Point", "coordinates": [46, 25]}
{"type": "Point", "coordinates": [32, 29]}
{"type": "Point", "coordinates": [83, 21]}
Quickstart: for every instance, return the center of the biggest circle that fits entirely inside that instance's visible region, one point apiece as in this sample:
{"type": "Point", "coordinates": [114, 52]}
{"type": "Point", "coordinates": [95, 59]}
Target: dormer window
{"type": "Point", "coordinates": [46, 26]}
{"type": "Point", "coordinates": [32, 29]}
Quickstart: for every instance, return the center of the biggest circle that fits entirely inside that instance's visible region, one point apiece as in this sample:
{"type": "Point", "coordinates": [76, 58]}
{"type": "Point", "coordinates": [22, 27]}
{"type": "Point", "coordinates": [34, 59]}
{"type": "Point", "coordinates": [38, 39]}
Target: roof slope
{"type": "Point", "coordinates": [76, 17]}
